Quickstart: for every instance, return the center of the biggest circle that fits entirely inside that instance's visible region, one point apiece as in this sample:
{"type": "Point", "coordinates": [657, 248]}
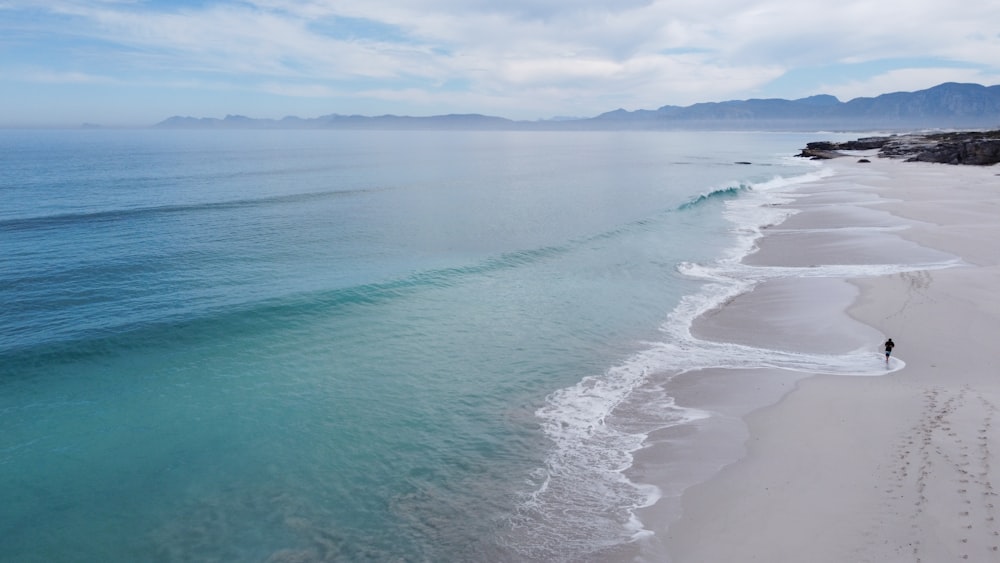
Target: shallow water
{"type": "Point", "coordinates": [349, 346]}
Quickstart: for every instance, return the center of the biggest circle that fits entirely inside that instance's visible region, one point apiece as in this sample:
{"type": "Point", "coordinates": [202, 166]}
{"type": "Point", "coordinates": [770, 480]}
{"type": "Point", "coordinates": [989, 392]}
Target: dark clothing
{"type": "Point", "coordinates": [889, 345]}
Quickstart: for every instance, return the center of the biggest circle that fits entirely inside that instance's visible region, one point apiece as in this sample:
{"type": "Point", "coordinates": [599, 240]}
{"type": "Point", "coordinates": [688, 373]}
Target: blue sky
{"type": "Point", "coordinates": [137, 62]}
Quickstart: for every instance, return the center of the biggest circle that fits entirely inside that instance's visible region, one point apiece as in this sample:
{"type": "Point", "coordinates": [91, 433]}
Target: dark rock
{"type": "Point", "coordinates": [864, 161]}
{"type": "Point", "coordinates": [821, 150]}
{"type": "Point", "coordinates": [977, 152]}
{"type": "Point", "coordinates": [981, 148]}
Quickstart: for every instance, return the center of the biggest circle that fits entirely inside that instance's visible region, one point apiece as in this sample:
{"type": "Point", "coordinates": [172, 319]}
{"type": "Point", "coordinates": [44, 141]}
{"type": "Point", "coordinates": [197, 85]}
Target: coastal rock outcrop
{"type": "Point", "coordinates": [980, 148]}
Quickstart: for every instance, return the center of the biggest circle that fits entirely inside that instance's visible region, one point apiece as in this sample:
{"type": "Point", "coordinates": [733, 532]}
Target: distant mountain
{"type": "Point", "coordinates": [948, 105]}
{"type": "Point", "coordinates": [335, 121]}
{"type": "Point", "coordinates": [945, 105]}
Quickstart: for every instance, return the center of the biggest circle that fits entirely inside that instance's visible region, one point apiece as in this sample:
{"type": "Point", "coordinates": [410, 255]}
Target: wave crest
{"type": "Point", "coordinates": [714, 195]}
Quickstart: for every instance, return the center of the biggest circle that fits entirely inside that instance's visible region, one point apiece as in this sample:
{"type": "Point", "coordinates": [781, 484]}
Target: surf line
{"type": "Point", "coordinates": [594, 438]}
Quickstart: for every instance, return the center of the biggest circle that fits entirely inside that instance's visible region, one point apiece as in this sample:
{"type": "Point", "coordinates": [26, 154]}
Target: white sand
{"type": "Point", "coordinates": [901, 467]}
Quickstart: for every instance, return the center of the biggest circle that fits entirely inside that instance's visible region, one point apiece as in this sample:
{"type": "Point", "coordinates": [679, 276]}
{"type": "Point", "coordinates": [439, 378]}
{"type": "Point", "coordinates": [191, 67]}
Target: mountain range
{"type": "Point", "coordinates": [948, 105]}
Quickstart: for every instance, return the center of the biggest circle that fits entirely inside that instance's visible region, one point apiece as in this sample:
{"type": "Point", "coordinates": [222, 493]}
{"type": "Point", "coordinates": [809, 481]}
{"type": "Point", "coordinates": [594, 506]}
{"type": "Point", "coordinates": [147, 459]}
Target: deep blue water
{"type": "Point", "coordinates": [334, 346]}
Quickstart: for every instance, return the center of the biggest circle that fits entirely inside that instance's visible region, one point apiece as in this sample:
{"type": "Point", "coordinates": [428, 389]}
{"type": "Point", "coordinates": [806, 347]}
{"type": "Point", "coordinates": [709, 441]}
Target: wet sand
{"type": "Point", "coordinates": [899, 467]}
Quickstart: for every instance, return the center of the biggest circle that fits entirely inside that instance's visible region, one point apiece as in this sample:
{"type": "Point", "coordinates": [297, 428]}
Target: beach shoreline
{"type": "Point", "coordinates": [835, 468]}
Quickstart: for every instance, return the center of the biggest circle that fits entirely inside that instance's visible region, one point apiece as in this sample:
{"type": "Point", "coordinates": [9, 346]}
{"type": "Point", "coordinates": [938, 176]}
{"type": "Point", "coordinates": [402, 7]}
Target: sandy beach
{"type": "Point", "coordinates": [897, 467]}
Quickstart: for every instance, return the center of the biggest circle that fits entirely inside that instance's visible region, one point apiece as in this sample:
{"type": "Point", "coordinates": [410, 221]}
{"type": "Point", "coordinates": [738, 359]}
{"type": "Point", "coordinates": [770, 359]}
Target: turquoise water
{"type": "Point", "coordinates": [339, 346]}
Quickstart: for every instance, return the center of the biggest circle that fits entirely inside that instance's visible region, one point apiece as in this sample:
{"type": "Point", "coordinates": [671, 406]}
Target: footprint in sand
{"type": "Point", "coordinates": [948, 473]}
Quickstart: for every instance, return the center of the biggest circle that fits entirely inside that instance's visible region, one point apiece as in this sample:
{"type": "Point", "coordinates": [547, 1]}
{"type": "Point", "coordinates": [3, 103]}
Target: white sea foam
{"type": "Point", "coordinates": [591, 454]}
{"type": "Point", "coordinates": [873, 229]}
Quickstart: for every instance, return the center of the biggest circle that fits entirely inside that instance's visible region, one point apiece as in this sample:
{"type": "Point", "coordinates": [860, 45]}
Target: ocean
{"type": "Point", "coordinates": [356, 345]}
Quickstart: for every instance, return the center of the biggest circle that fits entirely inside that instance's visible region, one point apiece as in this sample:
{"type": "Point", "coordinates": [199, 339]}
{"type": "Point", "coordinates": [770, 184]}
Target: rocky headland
{"type": "Point", "coordinates": [981, 148]}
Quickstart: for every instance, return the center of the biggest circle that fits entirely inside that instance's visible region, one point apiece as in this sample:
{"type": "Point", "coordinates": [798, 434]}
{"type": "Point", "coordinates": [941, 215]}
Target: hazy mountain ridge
{"type": "Point", "coordinates": [333, 121]}
{"type": "Point", "coordinates": [948, 105]}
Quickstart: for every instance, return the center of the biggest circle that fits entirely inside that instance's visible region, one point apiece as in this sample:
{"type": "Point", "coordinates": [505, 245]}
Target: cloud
{"type": "Point", "coordinates": [45, 76]}
{"type": "Point", "coordinates": [528, 56]}
{"type": "Point", "coordinates": [299, 90]}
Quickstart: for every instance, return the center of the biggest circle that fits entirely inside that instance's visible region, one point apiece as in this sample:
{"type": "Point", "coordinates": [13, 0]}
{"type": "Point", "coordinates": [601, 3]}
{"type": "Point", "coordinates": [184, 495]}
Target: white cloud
{"type": "Point", "coordinates": [526, 56]}
{"type": "Point", "coordinates": [299, 90]}
{"type": "Point", "coordinates": [46, 76]}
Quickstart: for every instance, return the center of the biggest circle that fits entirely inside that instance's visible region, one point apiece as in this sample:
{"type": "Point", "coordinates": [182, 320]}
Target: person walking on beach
{"type": "Point", "coordinates": [889, 345]}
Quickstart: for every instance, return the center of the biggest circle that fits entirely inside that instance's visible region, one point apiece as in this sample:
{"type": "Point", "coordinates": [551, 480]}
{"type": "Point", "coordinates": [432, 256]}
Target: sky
{"type": "Point", "coordinates": [136, 62]}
